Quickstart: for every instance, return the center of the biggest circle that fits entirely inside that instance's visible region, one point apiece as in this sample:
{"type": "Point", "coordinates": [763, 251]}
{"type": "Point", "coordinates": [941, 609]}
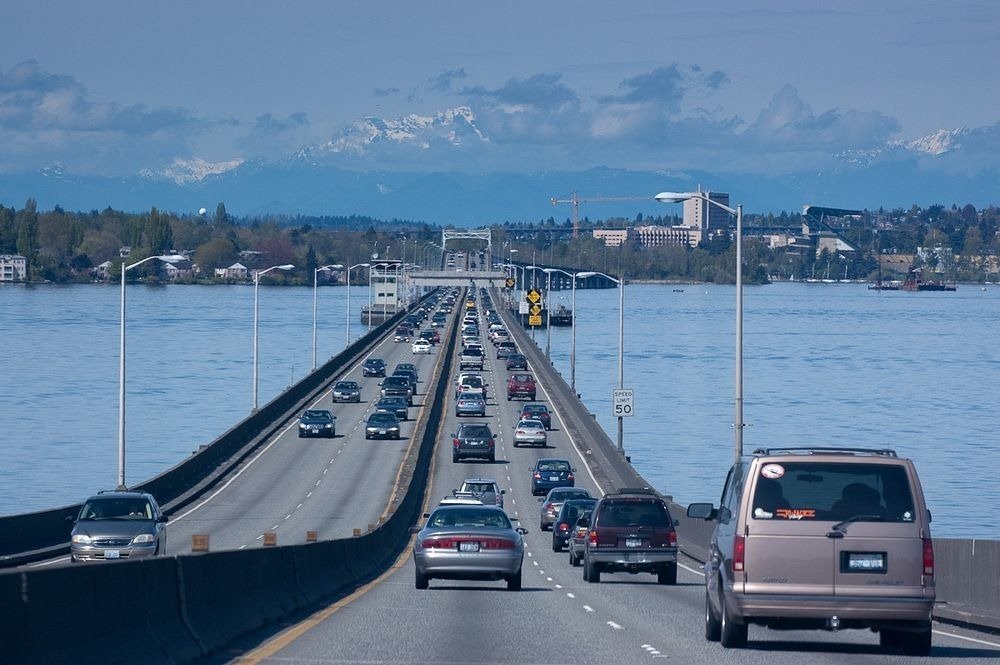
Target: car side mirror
{"type": "Point", "coordinates": [702, 511]}
{"type": "Point", "coordinates": [503, 491]}
{"type": "Point", "coordinates": [426, 515]}
{"type": "Point", "coordinates": [162, 519]}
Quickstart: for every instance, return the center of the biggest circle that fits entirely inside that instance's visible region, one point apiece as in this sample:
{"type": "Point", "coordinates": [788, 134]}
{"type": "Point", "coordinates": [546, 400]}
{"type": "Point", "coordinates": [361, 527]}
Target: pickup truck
{"type": "Point", "coordinates": [471, 358]}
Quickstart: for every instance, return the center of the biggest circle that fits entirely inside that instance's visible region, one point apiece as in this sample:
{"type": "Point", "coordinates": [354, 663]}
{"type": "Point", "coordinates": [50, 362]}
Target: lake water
{"type": "Point", "coordinates": [824, 364]}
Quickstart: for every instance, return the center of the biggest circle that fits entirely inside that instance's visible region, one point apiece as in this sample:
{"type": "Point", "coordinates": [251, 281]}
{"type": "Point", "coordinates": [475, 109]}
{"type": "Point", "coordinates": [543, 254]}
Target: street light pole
{"type": "Point", "coordinates": [121, 363]}
{"type": "Point", "coordinates": [316, 272]}
{"type": "Point", "coordinates": [621, 352]}
{"type": "Point", "coordinates": [256, 286]}
{"type": "Point", "coordinates": [738, 424]}
{"type": "Point", "coordinates": [548, 315]}
{"type": "Point", "coordinates": [356, 265]}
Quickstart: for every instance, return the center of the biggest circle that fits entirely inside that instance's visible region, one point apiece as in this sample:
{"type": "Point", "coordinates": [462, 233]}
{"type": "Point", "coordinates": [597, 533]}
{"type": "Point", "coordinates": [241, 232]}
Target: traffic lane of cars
{"type": "Point", "coordinates": [295, 487]}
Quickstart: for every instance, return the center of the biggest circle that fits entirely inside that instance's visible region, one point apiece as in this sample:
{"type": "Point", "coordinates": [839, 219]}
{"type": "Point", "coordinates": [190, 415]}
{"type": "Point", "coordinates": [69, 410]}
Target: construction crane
{"type": "Point", "coordinates": [576, 201]}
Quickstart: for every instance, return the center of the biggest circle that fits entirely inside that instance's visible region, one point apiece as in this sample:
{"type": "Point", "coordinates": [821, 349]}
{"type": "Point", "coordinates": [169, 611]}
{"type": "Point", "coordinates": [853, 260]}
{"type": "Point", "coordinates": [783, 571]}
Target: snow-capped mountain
{"type": "Point", "coordinates": [456, 127]}
{"type": "Point", "coordinates": [188, 171]}
{"type": "Point", "coordinates": [938, 143]}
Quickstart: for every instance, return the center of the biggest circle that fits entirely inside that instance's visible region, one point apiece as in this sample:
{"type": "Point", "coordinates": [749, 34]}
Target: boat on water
{"type": "Point", "coordinates": [914, 282]}
{"type": "Point", "coordinates": [893, 285]}
{"type": "Point", "coordinates": [561, 316]}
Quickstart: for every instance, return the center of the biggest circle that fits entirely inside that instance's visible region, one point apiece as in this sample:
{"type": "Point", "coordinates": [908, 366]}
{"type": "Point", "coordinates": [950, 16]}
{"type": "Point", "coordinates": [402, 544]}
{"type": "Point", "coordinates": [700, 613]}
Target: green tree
{"type": "Point", "coordinates": [27, 235]}
{"type": "Point", "coordinates": [221, 217]}
{"type": "Point", "coordinates": [159, 236]}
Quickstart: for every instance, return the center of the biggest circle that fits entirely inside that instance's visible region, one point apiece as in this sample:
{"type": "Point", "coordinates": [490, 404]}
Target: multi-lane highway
{"type": "Point", "coordinates": [557, 617]}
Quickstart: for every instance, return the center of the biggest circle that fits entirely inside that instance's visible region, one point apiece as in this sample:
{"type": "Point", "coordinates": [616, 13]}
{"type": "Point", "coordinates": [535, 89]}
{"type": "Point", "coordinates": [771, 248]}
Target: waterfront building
{"type": "Point", "coordinates": [700, 214]}
{"type": "Point", "coordinates": [612, 237]}
{"type": "Point", "coordinates": [13, 268]}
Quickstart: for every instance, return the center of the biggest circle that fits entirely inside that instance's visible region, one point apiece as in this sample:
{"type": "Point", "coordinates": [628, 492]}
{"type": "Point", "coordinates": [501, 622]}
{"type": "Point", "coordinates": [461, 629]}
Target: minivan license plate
{"type": "Point", "coordinates": [633, 542]}
{"type": "Point", "coordinates": [468, 547]}
{"type": "Point", "coordinates": [866, 562]}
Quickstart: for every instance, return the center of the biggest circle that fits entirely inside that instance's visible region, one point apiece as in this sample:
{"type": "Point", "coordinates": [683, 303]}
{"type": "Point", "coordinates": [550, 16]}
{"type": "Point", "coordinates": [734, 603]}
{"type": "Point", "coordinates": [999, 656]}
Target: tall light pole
{"type": "Point", "coordinates": [572, 352]}
{"type": "Point", "coordinates": [332, 266]}
{"type": "Point", "coordinates": [121, 363]}
{"type": "Point", "coordinates": [548, 314]}
{"type": "Point", "coordinates": [738, 424]}
{"type": "Point", "coordinates": [356, 265]}
{"type": "Point", "coordinates": [256, 286]}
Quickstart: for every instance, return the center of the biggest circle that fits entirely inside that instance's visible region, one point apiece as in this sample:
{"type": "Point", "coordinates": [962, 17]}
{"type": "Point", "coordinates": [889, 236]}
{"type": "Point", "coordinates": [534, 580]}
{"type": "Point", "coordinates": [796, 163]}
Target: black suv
{"type": "Point", "coordinates": [473, 440]}
{"type": "Point", "coordinates": [631, 531]}
{"type": "Point", "coordinates": [373, 367]}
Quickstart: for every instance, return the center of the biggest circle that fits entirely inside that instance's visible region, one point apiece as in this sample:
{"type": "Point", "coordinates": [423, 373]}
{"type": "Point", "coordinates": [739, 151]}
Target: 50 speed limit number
{"type": "Point", "coordinates": [622, 403]}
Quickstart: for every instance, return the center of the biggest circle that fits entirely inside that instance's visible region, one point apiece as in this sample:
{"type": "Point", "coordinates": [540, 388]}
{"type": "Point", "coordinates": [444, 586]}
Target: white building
{"type": "Point", "coordinates": [701, 214]}
{"type": "Point", "coordinates": [612, 237]}
{"type": "Point", "coordinates": [13, 268]}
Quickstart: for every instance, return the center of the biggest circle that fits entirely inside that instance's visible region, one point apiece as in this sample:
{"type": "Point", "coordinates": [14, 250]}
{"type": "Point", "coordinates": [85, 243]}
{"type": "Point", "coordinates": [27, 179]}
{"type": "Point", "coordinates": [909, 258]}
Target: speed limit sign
{"type": "Point", "coordinates": [622, 404]}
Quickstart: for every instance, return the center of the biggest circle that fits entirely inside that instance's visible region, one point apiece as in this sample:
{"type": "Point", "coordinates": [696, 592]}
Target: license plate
{"type": "Point", "coordinates": [382, 431]}
{"type": "Point", "coordinates": [315, 430]}
{"type": "Point", "coordinates": [633, 542]}
{"type": "Point", "coordinates": [866, 562]}
{"type": "Point", "coordinates": [468, 547]}
{"type": "Point", "coordinates": [112, 554]}
{"type": "Point", "coordinates": [553, 478]}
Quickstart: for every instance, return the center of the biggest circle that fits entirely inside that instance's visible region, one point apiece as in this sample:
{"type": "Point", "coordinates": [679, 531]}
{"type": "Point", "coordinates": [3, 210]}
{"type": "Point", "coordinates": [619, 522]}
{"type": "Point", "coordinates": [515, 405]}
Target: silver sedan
{"type": "Point", "coordinates": [467, 542]}
{"type": "Point", "coordinates": [530, 432]}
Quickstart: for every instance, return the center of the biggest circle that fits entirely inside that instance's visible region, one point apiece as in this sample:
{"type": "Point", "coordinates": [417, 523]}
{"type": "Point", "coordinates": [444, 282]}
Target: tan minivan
{"type": "Point", "coordinates": [821, 538]}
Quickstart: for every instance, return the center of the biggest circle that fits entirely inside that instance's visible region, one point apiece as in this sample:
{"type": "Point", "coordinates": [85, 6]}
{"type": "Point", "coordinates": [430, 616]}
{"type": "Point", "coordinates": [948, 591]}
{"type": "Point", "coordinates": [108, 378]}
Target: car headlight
{"type": "Point", "coordinates": [81, 539]}
{"type": "Point", "coordinates": [143, 538]}
{"type": "Point", "coordinates": [328, 425]}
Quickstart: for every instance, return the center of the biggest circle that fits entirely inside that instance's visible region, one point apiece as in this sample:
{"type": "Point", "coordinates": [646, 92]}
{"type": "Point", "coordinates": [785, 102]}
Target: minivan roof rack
{"type": "Point", "coordinates": [637, 490]}
{"type": "Point", "coordinates": [885, 452]}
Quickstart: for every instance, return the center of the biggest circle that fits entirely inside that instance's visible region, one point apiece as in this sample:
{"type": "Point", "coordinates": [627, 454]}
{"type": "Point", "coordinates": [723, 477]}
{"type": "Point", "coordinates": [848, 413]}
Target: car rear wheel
{"type": "Point", "coordinates": [590, 572]}
{"type": "Point", "coordinates": [574, 560]}
{"type": "Point", "coordinates": [732, 635]}
{"type": "Point", "coordinates": [667, 574]}
{"type": "Point", "coordinates": [713, 627]}
{"type": "Point", "coordinates": [556, 545]}
{"type": "Point", "coordinates": [454, 458]}
{"type": "Point", "coordinates": [514, 581]}
{"type": "Point", "coordinates": [420, 581]}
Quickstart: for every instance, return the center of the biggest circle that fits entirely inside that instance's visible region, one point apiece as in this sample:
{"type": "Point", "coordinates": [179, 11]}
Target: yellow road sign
{"type": "Point", "coordinates": [533, 296]}
{"type": "Point", "coordinates": [535, 310]}
{"type": "Point", "coordinates": [534, 320]}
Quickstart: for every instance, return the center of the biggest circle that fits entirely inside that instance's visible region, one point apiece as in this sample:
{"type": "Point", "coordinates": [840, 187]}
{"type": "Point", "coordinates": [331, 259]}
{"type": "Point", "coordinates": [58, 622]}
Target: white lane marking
{"type": "Point", "coordinates": [549, 579]}
{"type": "Point", "coordinates": [260, 537]}
{"type": "Point", "coordinates": [243, 547]}
{"type": "Point", "coordinates": [309, 495]}
{"type": "Point", "coordinates": [967, 639]}
{"type": "Point", "coordinates": [530, 554]}
{"type": "Point", "coordinates": [535, 562]}
{"type": "Point", "coordinates": [274, 527]}
{"type": "Point", "coordinates": [615, 626]}
{"type": "Point", "coordinates": [569, 595]}
{"type": "Point", "coordinates": [559, 586]}
{"type": "Point", "coordinates": [588, 608]}
{"type": "Point", "coordinates": [298, 506]}
{"type": "Point", "coordinates": [288, 515]}
{"type": "Point", "coordinates": [318, 482]}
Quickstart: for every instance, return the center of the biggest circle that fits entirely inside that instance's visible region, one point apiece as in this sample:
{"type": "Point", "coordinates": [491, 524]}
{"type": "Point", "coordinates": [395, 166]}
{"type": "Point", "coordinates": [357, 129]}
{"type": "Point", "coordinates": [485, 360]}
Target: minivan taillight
{"type": "Point", "coordinates": [593, 538]}
{"type": "Point", "coordinates": [672, 539]}
{"type": "Point", "coordinates": [739, 552]}
{"type": "Point", "coordinates": [928, 557]}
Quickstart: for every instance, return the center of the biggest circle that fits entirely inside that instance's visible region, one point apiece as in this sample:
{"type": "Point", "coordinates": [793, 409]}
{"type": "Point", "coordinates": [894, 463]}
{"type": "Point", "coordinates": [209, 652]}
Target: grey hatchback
{"type": "Point", "coordinates": [118, 525]}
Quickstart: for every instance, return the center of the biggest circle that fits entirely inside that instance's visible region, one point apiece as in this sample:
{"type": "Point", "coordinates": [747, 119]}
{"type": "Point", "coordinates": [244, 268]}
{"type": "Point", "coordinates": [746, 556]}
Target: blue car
{"type": "Point", "coordinates": [548, 473]}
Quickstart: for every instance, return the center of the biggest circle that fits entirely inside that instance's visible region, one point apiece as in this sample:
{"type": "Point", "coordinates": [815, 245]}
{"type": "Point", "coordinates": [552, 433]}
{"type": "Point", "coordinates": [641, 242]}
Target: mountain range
{"type": "Point", "coordinates": [348, 175]}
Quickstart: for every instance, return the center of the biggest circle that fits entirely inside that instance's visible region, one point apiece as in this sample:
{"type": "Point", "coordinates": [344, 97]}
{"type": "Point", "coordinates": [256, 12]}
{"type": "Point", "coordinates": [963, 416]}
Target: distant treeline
{"type": "Point", "coordinates": [63, 246]}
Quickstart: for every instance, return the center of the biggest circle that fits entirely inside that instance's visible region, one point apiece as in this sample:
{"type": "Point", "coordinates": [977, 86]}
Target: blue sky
{"type": "Point", "coordinates": [116, 87]}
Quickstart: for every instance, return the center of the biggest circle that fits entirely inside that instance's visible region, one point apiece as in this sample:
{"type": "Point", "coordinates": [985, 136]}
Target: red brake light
{"type": "Point", "coordinates": [537, 476]}
{"type": "Point", "coordinates": [593, 538]}
{"type": "Point", "coordinates": [563, 526]}
{"type": "Point", "coordinates": [928, 557]}
{"type": "Point", "coordinates": [455, 442]}
{"type": "Point", "coordinates": [672, 539]}
{"type": "Point", "coordinates": [569, 476]}
{"type": "Point", "coordinates": [739, 552]}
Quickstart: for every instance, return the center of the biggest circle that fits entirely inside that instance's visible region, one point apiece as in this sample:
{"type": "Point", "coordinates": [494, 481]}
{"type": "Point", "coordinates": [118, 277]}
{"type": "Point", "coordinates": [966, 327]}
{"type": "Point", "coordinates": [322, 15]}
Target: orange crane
{"type": "Point", "coordinates": [577, 200]}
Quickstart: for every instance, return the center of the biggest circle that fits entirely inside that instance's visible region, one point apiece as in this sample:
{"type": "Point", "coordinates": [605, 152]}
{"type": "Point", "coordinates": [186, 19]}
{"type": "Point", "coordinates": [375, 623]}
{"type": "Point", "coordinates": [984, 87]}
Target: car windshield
{"type": "Point", "coordinates": [346, 385]}
{"type": "Point", "coordinates": [804, 491]}
{"type": "Point", "coordinates": [479, 488]}
{"type": "Point", "coordinates": [396, 381]}
{"type": "Point", "coordinates": [468, 516]}
{"type": "Point", "coordinates": [316, 415]}
{"type": "Point", "coordinates": [473, 382]}
{"type": "Point", "coordinates": [475, 431]}
{"type": "Point", "coordinates": [117, 509]}
{"type": "Point", "coordinates": [634, 513]}
{"type": "Point", "coordinates": [553, 465]}
{"type": "Point", "coordinates": [535, 408]}
{"type": "Point", "coordinates": [407, 366]}
{"type": "Point", "coordinates": [530, 424]}
{"type": "Point", "coordinates": [563, 494]}
{"type": "Point", "coordinates": [521, 378]}
{"type": "Point", "coordinates": [381, 418]}
{"type": "Point", "coordinates": [467, 396]}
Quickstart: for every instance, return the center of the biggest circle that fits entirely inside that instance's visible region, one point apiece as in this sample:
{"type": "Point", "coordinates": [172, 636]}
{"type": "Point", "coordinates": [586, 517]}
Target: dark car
{"type": "Point", "coordinates": [373, 367]}
{"type": "Point", "coordinates": [382, 425]}
{"type": "Point", "coordinates": [411, 375]}
{"type": "Point", "coordinates": [394, 405]}
{"type": "Point", "coordinates": [537, 412]}
{"type": "Point", "coordinates": [549, 473]}
{"type": "Point", "coordinates": [432, 336]}
{"type": "Point", "coordinates": [521, 386]}
{"type": "Point", "coordinates": [473, 440]}
{"type": "Point", "coordinates": [631, 531]}
{"type": "Point", "coordinates": [398, 386]}
{"type": "Point", "coordinates": [569, 513]}
{"type": "Point", "coordinates": [403, 334]}
{"type": "Point", "coordinates": [118, 525]}
{"type": "Point", "coordinates": [346, 391]}
{"type": "Point", "coordinates": [317, 422]}
{"type": "Point", "coordinates": [407, 366]}
{"type": "Point", "coordinates": [517, 361]}
{"type": "Point", "coordinates": [579, 532]}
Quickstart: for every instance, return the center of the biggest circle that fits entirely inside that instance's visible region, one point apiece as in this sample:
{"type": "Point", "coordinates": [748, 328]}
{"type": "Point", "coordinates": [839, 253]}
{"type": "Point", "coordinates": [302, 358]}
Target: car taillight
{"type": "Point", "coordinates": [547, 508]}
{"type": "Point", "coordinates": [492, 443]}
{"type": "Point", "coordinates": [563, 526]}
{"type": "Point", "coordinates": [739, 552]}
{"type": "Point", "coordinates": [928, 557]}
{"type": "Point", "coordinates": [593, 538]}
{"type": "Point", "coordinates": [438, 543]}
{"type": "Point", "coordinates": [672, 539]}
{"type": "Point", "coordinates": [537, 476]}
{"type": "Point", "coordinates": [497, 544]}
{"type": "Point", "coordinates": [569, 476]}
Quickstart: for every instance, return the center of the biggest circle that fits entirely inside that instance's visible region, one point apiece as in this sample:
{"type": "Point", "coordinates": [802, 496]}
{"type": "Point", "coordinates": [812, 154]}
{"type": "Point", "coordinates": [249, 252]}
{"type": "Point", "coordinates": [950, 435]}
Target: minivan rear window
{"type": "Point", "coordinates": [633, 513]}
{"type": "Point", "coordinates": [832, 491]}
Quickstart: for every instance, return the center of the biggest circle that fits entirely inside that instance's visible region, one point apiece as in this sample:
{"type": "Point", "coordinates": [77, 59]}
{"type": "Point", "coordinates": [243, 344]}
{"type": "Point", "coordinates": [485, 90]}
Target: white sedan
{"type": "Point", "coordinates": [421, 346]}
{"type": "Point", "coordinates": [530, 432]}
